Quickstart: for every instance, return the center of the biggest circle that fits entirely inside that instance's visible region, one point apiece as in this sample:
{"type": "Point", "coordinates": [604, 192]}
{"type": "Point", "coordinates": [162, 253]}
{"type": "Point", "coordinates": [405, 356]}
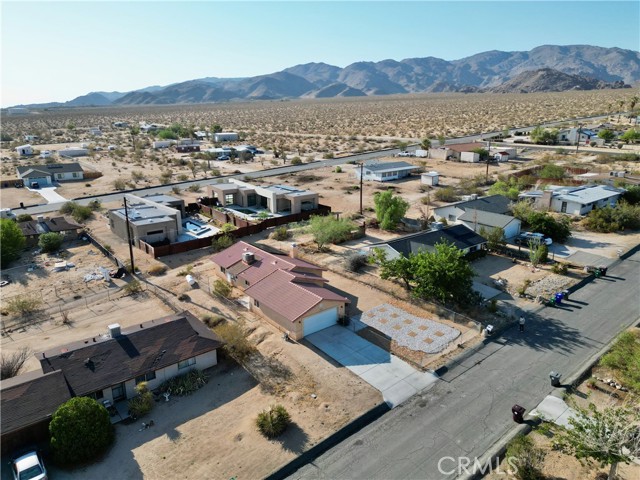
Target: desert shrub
{"type": "Point", "coordinates": [95, 205]}
{"type": "Point", "coordinates": [355, 262]}
{"type": "Point", "coordinates": [552, 171]}
{"type": "Point", "coordinates": [222, 242]}
{"type": "Point", "coordinates": [560, 268]}
{"type": "Point", "coordinates": [80, 430]}
{"type": "Point", "coordinates": [612, 219]}
{"type": "Point", "coordinates": [280, 233]}
{"type": "Point", "coordinates": [528, 457]}
{"type": "Point", "coordinates": [137, 175]}
{"type": "Point", "coordinates": [133, 287]}
{"type": "Point", "coordinates": [23, 305]}
{"type": "Point", "coordinates": [24, 217]}
{"type": "Point", "coordinates": [222, 288]}
{"type": "Point", "coordinates": [228, 227]}
{"type": "Point", "coordinates": [273, 422]}
{"type": "Point", "coordinates": [330, 230]}
{"type": "Point", "coordinates": [631, 196]}
{"type": "Point", "coordinates": [194, 188]}
{"type": "Point", "coordinates": [119, 184]}
{"type": "Point", "coordinates": [50, 242]}
{"type": "Point", "coordinates": [11, 364]}
{"type": "Point", "coordinates": [389, 209]}
{"type": "Point", "coordinates": [447, 194]}
{"type": "Point", "coordinates": [237, 345]}
{"type": "Point", "coordinates": [624, 357]}
{"type": "Point", "coordinates": [183, 297]}
{"type": "Point", "coordinates": [158, 270]}
{"type": "Point", "coordinates": [296, 161]}
{"type": "Point", "coordinates": [338, 169]}
{"type": "Point", "coordinates": [182, 177]}
{"type": "Point", "coordinates": [184, 384]}
{"type": "Point", "coordinates": [328, 156]}
{"type": "Point", "coordinates": [185, 271]}
{"type": "Point", "coordinates": [211, 321]}
{"type": "Point", "coordinates": [67, 208]}
{"type": "Point", "coordinates": [176, 190]}
{"type": "Point", "coordinates": [82, 213]}
{"type": "Point", "coordinates": [143, 402]}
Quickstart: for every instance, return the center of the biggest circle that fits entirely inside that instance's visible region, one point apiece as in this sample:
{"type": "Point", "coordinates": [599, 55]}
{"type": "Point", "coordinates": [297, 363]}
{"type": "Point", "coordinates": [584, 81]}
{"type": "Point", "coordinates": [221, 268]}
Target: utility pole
{"type": "Point", "coordinates": [361, 174]}
{"type": "Point", "coordinates": [486, 180]}
{"type": "Point", "coordinates": [126, 215]}
{"type": "Point", "coordinates": [578, 138]}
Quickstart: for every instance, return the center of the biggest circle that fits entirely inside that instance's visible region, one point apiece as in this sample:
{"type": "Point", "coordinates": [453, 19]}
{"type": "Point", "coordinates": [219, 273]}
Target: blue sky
{"type": "Point", "coordinates": [56, 51]}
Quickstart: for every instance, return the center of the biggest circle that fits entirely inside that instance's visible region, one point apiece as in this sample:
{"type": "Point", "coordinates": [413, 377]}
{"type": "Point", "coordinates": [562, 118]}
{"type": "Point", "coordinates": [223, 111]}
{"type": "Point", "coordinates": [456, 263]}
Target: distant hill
{"type": "Point", "coordinates": [545, 68]}
{"type": "Point", "coordinates": [550, 80]}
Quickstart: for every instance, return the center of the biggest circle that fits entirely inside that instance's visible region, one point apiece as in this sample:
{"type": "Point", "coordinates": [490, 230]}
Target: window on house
{"type": "Point", "coordinates": [246, 282]}
{"type": "Point", "coordinates": [256, 302]}
{"type": "Point", "coordinates": [187, 363]}
{"type": "Point", "coordinates": [75, 174]}
{"type": "Point", "coordinates": [228, 199]}
{"type": "Point", "coordinates": [563, 207]}
{"type": "Point", "coordinates": [96, 395]}
{"type": "Point", "coordinates": [222, 269]}
{"type": "Point", "coordinates": [155, 232]}
{"type": "Point", "coordinates": [147, 377]}
{"type": "Point", "coordinates": [59, 175]}
{"type": "Point", "coordinates": [452, 218]}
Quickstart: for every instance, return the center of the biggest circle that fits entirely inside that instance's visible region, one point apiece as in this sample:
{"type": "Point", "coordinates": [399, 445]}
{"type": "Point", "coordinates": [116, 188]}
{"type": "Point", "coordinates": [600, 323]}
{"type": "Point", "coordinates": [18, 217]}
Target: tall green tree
{"type": "Point", "coordinates": [607, 135]}
{"type": "Point", "coordinates": [607, 437]}
{"type": "Point", "coordinates": [12, 241]}
{"type": "Point", "coordinates": [389, 209]}
{"type": "Point", "coordinates": [80, 430]}
{"type": "Point", "coordinates": [494, 236]}
{"type": "Point", "coordinates": [425, 144]}
{"type": "Point", "coordinates": [50, 242]}
{"type": "Point", "coordinates": [443, 275]}
{"type": "Point", "coordinates": [328, 229]}
{"type": "Point", "coordinates": [442, 140]}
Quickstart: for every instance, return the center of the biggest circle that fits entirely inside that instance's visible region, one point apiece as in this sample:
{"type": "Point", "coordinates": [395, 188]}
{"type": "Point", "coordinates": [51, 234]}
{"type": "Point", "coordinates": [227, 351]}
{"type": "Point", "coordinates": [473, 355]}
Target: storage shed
{"type": "Point", "coordinates": [430, 178]}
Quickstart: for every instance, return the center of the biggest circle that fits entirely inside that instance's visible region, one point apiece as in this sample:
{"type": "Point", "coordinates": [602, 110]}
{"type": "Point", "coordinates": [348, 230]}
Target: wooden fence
{"type": "Point", "coordinates": [244, 228]}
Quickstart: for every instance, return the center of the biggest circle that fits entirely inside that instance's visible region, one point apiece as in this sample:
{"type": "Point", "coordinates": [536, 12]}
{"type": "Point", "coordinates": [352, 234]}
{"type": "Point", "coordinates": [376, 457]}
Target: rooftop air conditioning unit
{"type": "Point", "coordinates": [474, 196]}
{"type": "Point", "coordinates": [114, 330]}
{"type": "Point", "coordinates": [248, 258]}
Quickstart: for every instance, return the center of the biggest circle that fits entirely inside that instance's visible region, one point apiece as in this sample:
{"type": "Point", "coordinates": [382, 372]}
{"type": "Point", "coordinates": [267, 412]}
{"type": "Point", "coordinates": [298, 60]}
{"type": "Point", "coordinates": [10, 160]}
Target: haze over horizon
{"type": "Point", "coordinates": [118, 46]}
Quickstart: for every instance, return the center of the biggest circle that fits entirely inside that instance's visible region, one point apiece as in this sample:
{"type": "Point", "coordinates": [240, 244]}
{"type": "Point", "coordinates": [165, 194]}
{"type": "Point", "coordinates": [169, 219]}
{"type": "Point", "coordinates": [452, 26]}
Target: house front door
{"type": "Point", "coordinates": [563, 207]}
{"type": "Point", "coordinates": [118, 392]}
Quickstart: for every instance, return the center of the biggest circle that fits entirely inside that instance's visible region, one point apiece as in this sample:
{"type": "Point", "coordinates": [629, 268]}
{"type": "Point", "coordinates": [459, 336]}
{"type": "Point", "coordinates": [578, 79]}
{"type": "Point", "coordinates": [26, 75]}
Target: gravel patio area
{"type": "Point", "coordinates": [409, 331]}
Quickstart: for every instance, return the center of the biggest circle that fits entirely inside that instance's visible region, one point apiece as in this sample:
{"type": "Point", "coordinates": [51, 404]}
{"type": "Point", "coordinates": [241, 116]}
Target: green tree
{"type": "Point", "coordinates": [443, 275]}
{"type": "Point", "coordinates": [425, 144]}
{"type": "Point", "coordinates": [442, 140]}
{"type": "Point", "coordinates": [607, 437]}
{"type": "Point", "coordinates": [80, 430]}
{"type": "Point", "coordinates": [216, 128]}
{"type": "Point", "coordinates": [632, 195]}
{"type": "Point", "coordinates": [24, 217]}
{"type": "Point", "coordinates": [552, 171]}
{"type": "Point", "coordinates": [222, 242]}
{"type": "Point", "coordinates": [542, 136]}
{"type": "Point", "coordinates": [537, 253]}
{"type": "Point", "coordinates": [509, 190]}
{"type": "Point", "coordinates": [134, 132]}
{"type": "Point", "coordinates": [389, 209]}
{"type": "Point", "coordinates": [330, 230]}
{"type": "Point", "coordinates": [631, 136]}
{"type": "Point", "coordinates": [606, 135]}
{"type": "Point", "coordinates": [12, 241]}
{"type": "Point", "coordinates": [483, 152]}
{"type": "Point", "coordinates": [50, 242]}
{"type": "Point", "coordinates": [494, 236]}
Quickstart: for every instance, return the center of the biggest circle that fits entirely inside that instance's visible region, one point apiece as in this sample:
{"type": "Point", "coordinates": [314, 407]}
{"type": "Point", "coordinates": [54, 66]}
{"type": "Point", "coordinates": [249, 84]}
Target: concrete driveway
{"type": "Point", "coordinates": [394, 378]}
{"type": "Point", "coordinates": [49, 194]}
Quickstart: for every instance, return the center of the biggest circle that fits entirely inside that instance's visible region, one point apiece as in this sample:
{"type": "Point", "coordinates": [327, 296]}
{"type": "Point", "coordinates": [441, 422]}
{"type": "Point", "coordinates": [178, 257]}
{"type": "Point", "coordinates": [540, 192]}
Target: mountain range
{"type": "Point", "coordinates": [545, 68]}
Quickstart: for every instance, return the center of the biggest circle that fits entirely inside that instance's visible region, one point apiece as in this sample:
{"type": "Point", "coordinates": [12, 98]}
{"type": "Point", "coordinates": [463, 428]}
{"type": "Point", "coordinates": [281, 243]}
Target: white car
{"type": "Point", "coordinates": [405, 154]}
{"type": "Point", "coordinates": [29, 467]}
{"type": "Point", "coordinates": [46, 154]}
{"type": "Point", "coordinates": [536, 238]}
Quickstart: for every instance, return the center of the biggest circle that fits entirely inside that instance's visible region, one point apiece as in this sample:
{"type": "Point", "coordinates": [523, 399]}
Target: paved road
{"type": "Point", "coordinates": [468, 410]}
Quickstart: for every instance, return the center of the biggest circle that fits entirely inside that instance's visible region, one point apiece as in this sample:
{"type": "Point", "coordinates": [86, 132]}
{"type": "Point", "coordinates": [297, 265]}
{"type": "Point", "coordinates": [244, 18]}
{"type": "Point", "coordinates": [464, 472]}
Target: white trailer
{"type": "Point", "coordinates": [422, 153]}
{"type": "Point", "coordinates": [162, 144]}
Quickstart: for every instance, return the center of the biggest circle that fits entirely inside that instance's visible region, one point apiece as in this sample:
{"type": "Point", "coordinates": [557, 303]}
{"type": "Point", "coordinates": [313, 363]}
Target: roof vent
{"type": "Point", "coordinates": [40, 218]}
{"type": "Point", "coordinates": [248, 258]}
{"type": "Point", "coordinates": [114, 330]}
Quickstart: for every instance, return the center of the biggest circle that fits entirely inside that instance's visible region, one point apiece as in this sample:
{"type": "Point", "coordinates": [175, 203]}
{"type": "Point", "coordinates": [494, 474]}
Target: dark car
{"type": "Point", "coordinates": [35, 185]}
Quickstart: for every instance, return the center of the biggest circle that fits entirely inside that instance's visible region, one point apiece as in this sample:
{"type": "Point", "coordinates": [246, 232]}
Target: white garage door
{"type": "Point", "coordinates": [320, 321]}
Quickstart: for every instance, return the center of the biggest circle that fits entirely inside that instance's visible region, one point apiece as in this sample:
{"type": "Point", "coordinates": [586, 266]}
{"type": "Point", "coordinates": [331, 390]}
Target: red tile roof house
{"type": "Point", "coordinates": [288, 292]}
{"type": "Point", "coordinates": [105, 367]}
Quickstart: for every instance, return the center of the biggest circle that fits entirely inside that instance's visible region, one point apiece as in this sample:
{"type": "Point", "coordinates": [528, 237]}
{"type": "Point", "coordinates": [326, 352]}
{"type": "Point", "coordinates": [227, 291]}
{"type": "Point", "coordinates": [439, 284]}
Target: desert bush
{"type": "Point", "coordinates": [330, 230]}
{"type": "Point", "coordinates": [176, 190]}
{"type": "Point", "coordinates": [133, 287]}
{"type": "Point", "coordinates": [222, 242]}
{"type": "Point", "coordinates": [222, 288]}
{"type": "Point", "coordinates": [447, 194]}
{"type": "Point", "coordinates": [158, 270]}
{"type": "Point", "coordinates": [183, 297]}
{"type": "Point", "coordinates": [612, 219]}
{"type": "Point", "coordinates": [119, 184]}
{"type": "Point", "coordinates": [185, 271]}
{"type": "Point", "coordinates": [273, 422]}
{"type": "Point", "coordinates": [552, 171]}
{"type": "Point", "coordinates": [237, 345]}
{"type": "Point", "coordinates": [23, 305]}
{"type": "Point", "coordinates": [560, 268]}
{"type": "Point", "coordinates": [137, 175]}
{"type": "Point", "coordinates": [11, 364]}
{"type": "Point", "coordinates": [95, 205]}
{"type": "Point", "coordinates": [296, 161]}
{"type": "Point", "coordinates": [228, 227]}
{"type": "Point", "coordinates": [82, 213]}
{"type": "Point", "coordinates": [50, 242]}
{"type": "Point", "coordinates": [338, 169]}
{"type": "Point", "coordinates": [280, 233]}
{"type": "Point", "coordinates": [67, 208]}
{"type": "Point", "coordinates": [143, 402]}
{"type": "Point", "coordinates": [194, 188]}
{"type": "Point", "coordinates": [355, 262]}
{"type": "Point", "coordinates": [212, 322]}
{"type": "Point", "coordinates": [24, 217]}
{"type": "Point", "coordinates": [529, 458]}
{"type": "Point", "coordinates": [184, 384]}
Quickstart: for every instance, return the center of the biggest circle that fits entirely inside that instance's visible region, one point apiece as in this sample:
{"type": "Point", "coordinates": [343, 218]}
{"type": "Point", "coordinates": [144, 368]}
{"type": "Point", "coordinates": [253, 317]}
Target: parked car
{"type": "Point", "coordinates": [35, 185]}
{"type": "Point", "coordinates": [29, 467]}
{"type": "Point", "coordinates": [111, 147]}
{"type": "Point", "coordinates": [224, 157]}
{"type": "Point", "coordinates": [405, 154]}
{"type": "Point", "coordinates": [536, 238]}
{"type": "Point", "coordinates": [45, 154]}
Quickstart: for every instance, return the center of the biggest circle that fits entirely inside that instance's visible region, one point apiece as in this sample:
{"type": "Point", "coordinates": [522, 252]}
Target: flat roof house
{"type": "Point", "coordinates": [461, 236]}
{"type": "Point", "coordinates": [385, 171]}
{"type": "Point", "coordinates": [289, 292]}
{"type": "Point", "coordinates": [106, 367]}
{"type": "Point", "coordinates": [149, 220]}
{"type": "Point", "coordinates": [225, 137]}
{"type": "Point", "coordinates": [73, 152]}
{"type": "Point", "coordinates": [24, 150]}
{"type": "Point", "coordinates": [275, 198]}
{"type": "Point", "coordinates": [574, 200]}
{"type": "Point", "coordinates": [49, 173]}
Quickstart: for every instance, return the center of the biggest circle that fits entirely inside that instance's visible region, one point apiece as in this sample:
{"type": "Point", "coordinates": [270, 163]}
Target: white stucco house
{"type": "Point", "coordinates": [385, 171]}
{"type": "Point", "coordinates": [24, 150]}
{"type": "Point", "coordinates": [49, 173]}
{"type": "Point", "coordinates": [574, 200]}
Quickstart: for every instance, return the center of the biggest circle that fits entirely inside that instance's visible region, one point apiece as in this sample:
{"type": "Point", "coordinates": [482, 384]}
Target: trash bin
{"type": "Point", "coordinates": [558, 298]}
{"type": "Point", "coordinates": [551, 302]}
{"type": "Point", "coordinates": [555, 379]}
{"type": "Point", "coordinates": [597, 273]}
{"type": "Point", "coordinates": [603, 271]}
{"type": "Point", "coordinates": [565, 294]}
{"type": "Point", "coordinates": [518, 413]}
{"type": "Point", "coordinates": [488, 330]}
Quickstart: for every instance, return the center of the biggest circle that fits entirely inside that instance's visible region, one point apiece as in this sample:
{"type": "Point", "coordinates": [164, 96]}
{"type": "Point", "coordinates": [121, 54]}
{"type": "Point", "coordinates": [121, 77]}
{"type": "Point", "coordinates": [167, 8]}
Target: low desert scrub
{"type": "Point", "coordinates": [185, 384]}
{"type": "Point", "coordinates": [194, 188]}
{"type": "Point", "coordinates": [186, 271]}
{"type": "Point", "coordinates": [222, 288]}
{"type": "Point", "coordinates": [273, 422]}
{"type": "Point", "coordinates": [143, 402]}
{"type": "Point", "coordinates": [133, 287]}
{"type": "Point", "coordinates": [220, 243]}
{"type": "Point", "coordinates": [237, 345]}
{"type": "Point", "coordinates": [23, 305]}
{"type": "Point", "coordinates": [158, 270]}
{"type": "Point", "coordinates": [355, 262]}
{"type": "Point", "coordinates": [11, 364]}
{"type": "Point", "coordinates": [212, 322]}
{"type": "Point", "coordinates": [280, 233]}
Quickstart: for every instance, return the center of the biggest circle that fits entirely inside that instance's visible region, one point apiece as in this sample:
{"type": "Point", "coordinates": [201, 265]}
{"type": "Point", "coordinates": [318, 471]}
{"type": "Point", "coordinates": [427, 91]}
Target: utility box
{"type": "Point", "coordinates": [555, 379]}
{"type": "Point", "coordinates": [430, 178]}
